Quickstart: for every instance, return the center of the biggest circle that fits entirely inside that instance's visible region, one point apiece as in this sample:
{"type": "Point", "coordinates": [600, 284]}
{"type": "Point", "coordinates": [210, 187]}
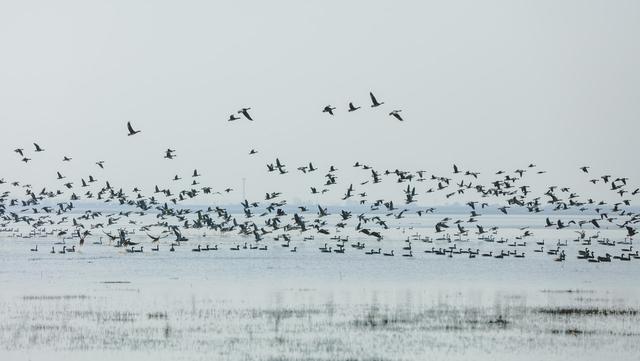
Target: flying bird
{"type": "Point", "coordinates": [245, 112]}
{"type": "Point", "coordinates": [396, 114]}
{"type": "Point", "coordinates": [328, 109]}
{"type": "Point", "coordinates": [131, 131]}
{"type": "Point", "coordinates": [374, 101]}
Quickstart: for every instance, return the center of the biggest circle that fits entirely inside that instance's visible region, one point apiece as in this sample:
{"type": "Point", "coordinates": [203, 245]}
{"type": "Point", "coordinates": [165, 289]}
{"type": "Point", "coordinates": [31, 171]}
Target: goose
{"type": "Point", "coordinates": [196, 249]}
{"type": "Point", "coordinates": [328, 109]}
{"type": "Point", "coordinates": [352, 108]}
{"type": "Point", "coordinates": [388, 254]}
{"type": "Point", "coordinates": [131, 131]}
{"type": "Point", "coordinates": [34, 249]}
{"type": "Point", "coordinates": [373, 252]}
{"type": "Point", "coordinates": [245, 112]}
{"type": "Point", "coordinates": [396, 114]}
{"type": "Point", "coordinates": [374, 101]}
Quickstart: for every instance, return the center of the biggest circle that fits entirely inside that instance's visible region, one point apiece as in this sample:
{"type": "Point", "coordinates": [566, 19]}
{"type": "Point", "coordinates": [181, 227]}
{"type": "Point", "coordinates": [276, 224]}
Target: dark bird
{"type": "Point", "coordinates": [352, 108]}
{"type": "Point", "coordinates": [232, 117]}
{"type": "Point", "coordinates": [374, 101]}
{"type": "Point", "coordinates": [131, 131]}
{"type": "Point", "coordinates": [328, 109]}
{"type": "Point", "coordinates": [245, 112]}
{"type": "Point", "coordinates": [38, 149]}
{"type": "Point", "coordinates": [396, 114]}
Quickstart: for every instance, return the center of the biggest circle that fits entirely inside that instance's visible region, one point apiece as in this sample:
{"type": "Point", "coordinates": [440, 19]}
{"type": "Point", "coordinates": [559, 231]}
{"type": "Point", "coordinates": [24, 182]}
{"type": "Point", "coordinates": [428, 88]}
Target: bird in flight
{"type": "Point", "coordinates": [352, 108]}
{"type": "Point", "coordinates": [328, 109]}
{"type": "Point", "coordinates": [374, 101]}
{"type": "Point", "coordinates": [38, 148]}
{"type": "Point", "coordinates": [100, 164]}
{"type": "Point", "coordinates": [232, 117]}
{"type": "Point", "coordinates": [19, 151]}
{"type": "Point", "coordinates": [396, 114]}
{"type": "Point", "coordinates": [169, 154]}
{"type": "Point", "coordinates": [245, 112]}
{"type": "Point", "coordinates": [131, 131]}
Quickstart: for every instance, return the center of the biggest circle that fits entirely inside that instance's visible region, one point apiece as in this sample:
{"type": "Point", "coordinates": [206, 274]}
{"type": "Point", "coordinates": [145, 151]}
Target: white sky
{"type": "Point", "coordinates": [485, 84]}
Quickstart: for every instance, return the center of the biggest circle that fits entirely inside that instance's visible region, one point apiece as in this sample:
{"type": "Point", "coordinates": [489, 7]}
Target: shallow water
{"type": "Point", "coordinates": [103, 303]}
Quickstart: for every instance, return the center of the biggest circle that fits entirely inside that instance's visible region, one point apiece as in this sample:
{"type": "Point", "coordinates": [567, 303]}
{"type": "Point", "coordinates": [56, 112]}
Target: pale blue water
{"type": "Point", "coordinates": [275, 304]}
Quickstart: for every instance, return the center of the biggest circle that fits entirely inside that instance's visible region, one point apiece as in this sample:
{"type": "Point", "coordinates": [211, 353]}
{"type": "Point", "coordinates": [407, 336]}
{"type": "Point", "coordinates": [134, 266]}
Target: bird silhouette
{"type": "Point", "coordinates": [131, 131]}
{"type": "Point", "coordinates": [245, 112]}
{"type": "Point", "coordinates": [328, 109]}
{"type": "Point", "coordinates": [396, 114]}
{"type": "Point", "coordinates": [374, 101]}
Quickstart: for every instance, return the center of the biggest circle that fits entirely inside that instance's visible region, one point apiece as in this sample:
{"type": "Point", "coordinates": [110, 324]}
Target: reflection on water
{"type": "Point", "coordinates": [293, 324]}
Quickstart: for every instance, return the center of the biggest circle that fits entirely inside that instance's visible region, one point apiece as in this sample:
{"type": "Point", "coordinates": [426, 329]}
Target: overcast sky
{"type": "Point", "coordinates": [487, 85]}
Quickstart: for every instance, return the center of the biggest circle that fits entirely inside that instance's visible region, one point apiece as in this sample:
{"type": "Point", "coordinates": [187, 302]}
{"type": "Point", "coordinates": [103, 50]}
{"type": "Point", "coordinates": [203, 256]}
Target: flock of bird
{"type": "Point", "coordinates": [163, 213]}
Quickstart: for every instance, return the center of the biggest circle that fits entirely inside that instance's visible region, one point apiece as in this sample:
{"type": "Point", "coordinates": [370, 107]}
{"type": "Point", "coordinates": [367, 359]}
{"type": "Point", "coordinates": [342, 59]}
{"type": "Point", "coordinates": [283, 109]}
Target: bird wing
{"type": "Point", "coordinates": [373, 98]}
{"type": "Point", "coordinates": [130, 128]}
